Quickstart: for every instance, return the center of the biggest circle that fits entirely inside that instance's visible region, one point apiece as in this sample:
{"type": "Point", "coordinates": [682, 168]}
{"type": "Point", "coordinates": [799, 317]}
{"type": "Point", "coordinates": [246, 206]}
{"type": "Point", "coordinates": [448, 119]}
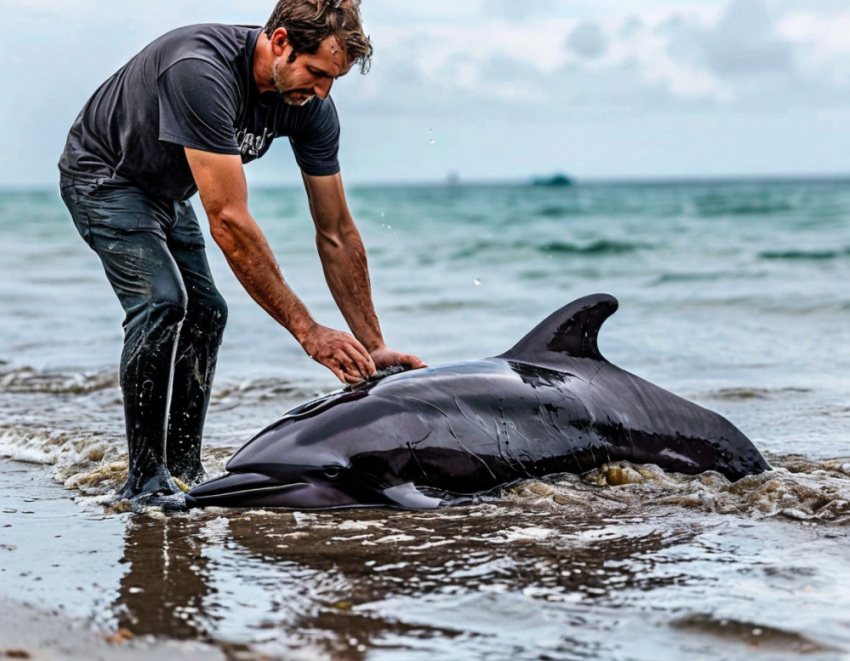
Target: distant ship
{"type": "Point", "coordinates": [556, 181]}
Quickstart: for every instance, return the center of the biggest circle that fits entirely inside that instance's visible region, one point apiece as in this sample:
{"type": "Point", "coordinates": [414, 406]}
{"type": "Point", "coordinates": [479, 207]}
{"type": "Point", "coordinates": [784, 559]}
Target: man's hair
{"type": "Point", "coordinates": [309, 22]}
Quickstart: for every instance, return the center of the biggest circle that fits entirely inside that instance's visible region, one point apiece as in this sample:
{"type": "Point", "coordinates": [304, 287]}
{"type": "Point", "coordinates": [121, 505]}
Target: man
{"type": "Point", "coordinates": [183, 116]}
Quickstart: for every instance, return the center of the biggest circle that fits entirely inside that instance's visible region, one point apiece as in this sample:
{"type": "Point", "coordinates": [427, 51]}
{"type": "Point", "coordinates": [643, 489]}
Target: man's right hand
{"type": "Point", "coordinates": [339, 352]}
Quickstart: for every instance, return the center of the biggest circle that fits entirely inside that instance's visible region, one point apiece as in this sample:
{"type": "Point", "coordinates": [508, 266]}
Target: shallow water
{"type": "Point", "coordinates": [733, 295]}
{"type": "Point", "coordinates": [556, 569]}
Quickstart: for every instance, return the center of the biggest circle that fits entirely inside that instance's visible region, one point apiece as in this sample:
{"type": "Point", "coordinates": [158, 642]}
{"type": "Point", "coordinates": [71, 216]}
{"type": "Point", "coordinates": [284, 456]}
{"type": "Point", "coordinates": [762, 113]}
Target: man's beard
{"type": "Point", "coordinates": [291, 97]}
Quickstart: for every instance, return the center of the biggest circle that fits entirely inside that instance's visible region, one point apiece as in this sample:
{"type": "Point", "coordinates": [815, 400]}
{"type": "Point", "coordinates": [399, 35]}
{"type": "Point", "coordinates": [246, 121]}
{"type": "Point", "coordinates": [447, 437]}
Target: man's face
{"type": "Point", "coordinates": [309, 75]}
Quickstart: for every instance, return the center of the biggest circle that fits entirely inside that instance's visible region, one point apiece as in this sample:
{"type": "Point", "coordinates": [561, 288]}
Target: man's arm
{"type": "Point", "coordinates": [221, 182]}
{"type": "Point", "coordinates": [346, 268]}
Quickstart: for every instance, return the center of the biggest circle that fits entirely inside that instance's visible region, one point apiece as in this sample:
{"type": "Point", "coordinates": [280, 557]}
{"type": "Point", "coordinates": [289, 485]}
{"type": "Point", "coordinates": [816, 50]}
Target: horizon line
{"type": "Point", "coordinates": [450, 182]}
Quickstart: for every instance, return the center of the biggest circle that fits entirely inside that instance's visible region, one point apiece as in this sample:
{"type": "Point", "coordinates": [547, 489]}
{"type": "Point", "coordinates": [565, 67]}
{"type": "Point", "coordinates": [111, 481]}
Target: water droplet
{"type": "Point", "coordinates": [477, 282]}
{"type": "Point", "coordinates": [432, 141]}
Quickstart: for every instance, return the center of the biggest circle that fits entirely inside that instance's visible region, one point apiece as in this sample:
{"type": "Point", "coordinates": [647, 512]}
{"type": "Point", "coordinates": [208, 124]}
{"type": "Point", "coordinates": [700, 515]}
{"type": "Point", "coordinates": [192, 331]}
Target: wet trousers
{"type": "Point", "coordinates": [153, 254]}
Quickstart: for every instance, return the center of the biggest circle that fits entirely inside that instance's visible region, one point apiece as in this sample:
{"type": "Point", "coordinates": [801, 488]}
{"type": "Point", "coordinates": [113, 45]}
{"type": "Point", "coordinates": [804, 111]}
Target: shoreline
{"type": "Point", "coordinates": [40, 520]}
{"type": "Point", "coordinates": [355, 585]}
{"type": "Point", "coordinates": [27, 632]}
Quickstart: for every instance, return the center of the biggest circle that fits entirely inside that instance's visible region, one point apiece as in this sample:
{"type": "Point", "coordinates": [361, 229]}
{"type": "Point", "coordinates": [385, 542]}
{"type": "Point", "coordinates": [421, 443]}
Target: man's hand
{"type": "Point", "coordinates": [384, 358]}
{"type": "Point", "coordinates": [340, 353]}
{"type": "Point", "coordinates": [346, 270]}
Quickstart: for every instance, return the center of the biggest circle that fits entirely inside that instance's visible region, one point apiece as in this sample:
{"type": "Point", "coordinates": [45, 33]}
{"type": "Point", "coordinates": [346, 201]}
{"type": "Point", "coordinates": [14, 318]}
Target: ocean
{"type": "Point", "coordinates": [732, 294]}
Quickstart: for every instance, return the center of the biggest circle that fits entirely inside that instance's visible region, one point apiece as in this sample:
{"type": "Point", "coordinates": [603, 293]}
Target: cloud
{"type": "Point", "coordinates": [495, 69]}
{"type": "Point", "coordinates": [742, 55]}
{"type": "Point", "coordinates": [588, 41]}
{"type": "Point", "coordinates": [822, 43]}
{"type": "Point", "coordinates": [744, 42]}
{"type": "Point", "coordinates": [517, 11]}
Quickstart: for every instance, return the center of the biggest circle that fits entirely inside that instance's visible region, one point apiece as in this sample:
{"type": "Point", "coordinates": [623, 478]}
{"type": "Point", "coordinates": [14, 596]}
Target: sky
{"type": "Point", "coordinates": [495, 90]}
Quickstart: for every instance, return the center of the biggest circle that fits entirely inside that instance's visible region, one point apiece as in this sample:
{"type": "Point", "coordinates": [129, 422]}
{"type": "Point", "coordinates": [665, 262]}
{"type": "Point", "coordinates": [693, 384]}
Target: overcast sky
{"type": "Point", "coordinates": [505, 89]}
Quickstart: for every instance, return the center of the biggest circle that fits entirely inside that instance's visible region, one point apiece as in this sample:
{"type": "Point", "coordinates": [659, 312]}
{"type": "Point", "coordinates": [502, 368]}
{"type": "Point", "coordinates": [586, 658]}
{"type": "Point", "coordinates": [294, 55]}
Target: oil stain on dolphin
{"type": "Point", "coordinates": [552, 404]}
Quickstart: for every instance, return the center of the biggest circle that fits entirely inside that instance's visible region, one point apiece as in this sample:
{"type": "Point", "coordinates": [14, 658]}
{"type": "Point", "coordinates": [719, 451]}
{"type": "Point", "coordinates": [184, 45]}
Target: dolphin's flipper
{"type": "Point", "coordinates": [573, 331]}
{"type": "Point", "coordinates": [409, 497]}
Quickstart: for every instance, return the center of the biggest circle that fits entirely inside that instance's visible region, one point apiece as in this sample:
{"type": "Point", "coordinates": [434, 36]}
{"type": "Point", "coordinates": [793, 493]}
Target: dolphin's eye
{"type": "Point", "coordinates": [333, 472]}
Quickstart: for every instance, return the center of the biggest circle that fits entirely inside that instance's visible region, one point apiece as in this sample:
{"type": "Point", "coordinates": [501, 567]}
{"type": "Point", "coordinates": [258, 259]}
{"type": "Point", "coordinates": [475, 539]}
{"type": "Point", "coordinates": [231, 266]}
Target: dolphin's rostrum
{"type": "Point", "coordinates": [552, 404]}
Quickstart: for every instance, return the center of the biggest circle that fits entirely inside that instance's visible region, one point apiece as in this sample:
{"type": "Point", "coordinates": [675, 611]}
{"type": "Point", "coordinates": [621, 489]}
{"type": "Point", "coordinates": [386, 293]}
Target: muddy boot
{"type": "Point", "coordinates": [194, 367]}
{"type": "Point", "coordinates": [146, 373]}
{"type": "Point", "coordinates": [158, 490]}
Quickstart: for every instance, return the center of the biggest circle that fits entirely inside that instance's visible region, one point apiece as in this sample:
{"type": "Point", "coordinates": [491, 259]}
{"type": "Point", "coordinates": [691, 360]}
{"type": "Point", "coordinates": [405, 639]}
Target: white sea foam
{"type": "Point", "coordinates": [797, 488]}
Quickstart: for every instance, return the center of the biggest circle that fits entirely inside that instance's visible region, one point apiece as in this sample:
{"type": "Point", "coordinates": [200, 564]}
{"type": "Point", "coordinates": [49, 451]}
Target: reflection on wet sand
{"type": "Point", "coordinates": [167, 583]}
{"type": "Point", "coordinates": [561, 569]}
{"type": "Point", "coordinates": [567, 567]}
{"type": "Point", "coordinates": [312, 579]}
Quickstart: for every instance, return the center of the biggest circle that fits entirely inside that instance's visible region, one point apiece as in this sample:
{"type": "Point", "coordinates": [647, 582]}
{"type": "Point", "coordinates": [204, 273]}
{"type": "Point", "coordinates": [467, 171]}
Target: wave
{"type": "Point", "coordinates": [765, 638]}
{"type": "Point", "coordinates": [673, 278]}
{"type": "Point", "coordinates": [805, 255]}
{"type": "Point", "coordinates": [555, 211]}
{"type": "Point", "coordinates": [719, 206]}
{"type": "Point", "coordinates": [262, 387]}
{"type": "Point", "coordinates": [739, 394]}
{"type": "Point", "coordinates": [444, 306]}
{"type": "Point", "coordinates": [797, 489]}
{"type": "Point", "coordinates": [29, 380]}
{"type": "Point", "coordinates": [601, 247]}
{"type": "Point", "coordinates": [91, 463]}
{"type": "Point", "coordinates": [67, 451]}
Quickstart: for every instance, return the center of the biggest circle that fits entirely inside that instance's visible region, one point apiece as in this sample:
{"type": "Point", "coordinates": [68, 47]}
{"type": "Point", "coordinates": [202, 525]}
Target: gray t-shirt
{"type": "Point", "coordinates": [193, 87]}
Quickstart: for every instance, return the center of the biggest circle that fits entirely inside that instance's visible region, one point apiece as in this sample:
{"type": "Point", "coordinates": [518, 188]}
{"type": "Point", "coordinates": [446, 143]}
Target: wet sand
{"type": "Point", "coordinates": [30, 633]}
{"type": "Point", "coordinates": [56, 562]}
{"type": "Point", "coordinates": [564, 569]}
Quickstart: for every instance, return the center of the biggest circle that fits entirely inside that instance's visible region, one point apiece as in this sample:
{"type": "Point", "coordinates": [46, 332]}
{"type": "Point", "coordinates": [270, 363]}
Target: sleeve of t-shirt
{"type": "Point", "coordinates": [316, 143]}
{"type": "Point", "coordinates": [197, 107]}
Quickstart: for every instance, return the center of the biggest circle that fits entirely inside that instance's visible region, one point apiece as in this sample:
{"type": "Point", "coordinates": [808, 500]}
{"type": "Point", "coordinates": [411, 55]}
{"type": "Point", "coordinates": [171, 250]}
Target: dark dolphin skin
{"type": "Point", "coordinates": [552, 404]}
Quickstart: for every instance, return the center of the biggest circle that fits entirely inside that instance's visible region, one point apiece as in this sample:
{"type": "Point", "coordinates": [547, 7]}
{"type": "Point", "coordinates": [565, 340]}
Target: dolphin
{"type": "Point", "coordinates": [415, 440]}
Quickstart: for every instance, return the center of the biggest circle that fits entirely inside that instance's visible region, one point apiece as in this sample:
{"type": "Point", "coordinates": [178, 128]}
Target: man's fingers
{"type": "Point", "coordinates": [338, 373]}
{"type": "Point", "coordinates": [345, 374]}
{"type": "Point", "coordinates": [370, 364]}
{"type": "Point", "coordinates": [343, 355]}
{"type": "Point", "coordinates": [346, 364]}
{"type": "Point", "coordinates": [340, 365]}
{"type": "Point", "coordinates": [360, 359]}
{"type": "Point", "coordinates": [414, 361]}
{"type": "Point", "coordinates": [365, 364]}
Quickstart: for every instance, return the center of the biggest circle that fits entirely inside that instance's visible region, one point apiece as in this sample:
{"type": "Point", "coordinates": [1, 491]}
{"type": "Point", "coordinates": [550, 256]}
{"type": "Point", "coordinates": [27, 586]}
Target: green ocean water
{"type": "Point", "coordinates": [732, 294]}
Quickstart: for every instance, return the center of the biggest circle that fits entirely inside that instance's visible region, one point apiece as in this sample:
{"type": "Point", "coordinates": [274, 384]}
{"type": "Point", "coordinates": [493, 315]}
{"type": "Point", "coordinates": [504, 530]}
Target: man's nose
{"type": "Point", "coordinates": [323, 88]}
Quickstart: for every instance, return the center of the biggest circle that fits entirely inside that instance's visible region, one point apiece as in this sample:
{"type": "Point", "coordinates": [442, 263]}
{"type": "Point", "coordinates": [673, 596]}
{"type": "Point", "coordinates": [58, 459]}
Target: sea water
{"type": "Point", "coordinates": [732, 294]}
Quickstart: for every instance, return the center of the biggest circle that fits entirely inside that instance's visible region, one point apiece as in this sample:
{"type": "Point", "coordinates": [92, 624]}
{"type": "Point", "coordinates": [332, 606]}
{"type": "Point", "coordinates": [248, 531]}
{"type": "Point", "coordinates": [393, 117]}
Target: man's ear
{"type": "Point", "coordinates": [279, 41]}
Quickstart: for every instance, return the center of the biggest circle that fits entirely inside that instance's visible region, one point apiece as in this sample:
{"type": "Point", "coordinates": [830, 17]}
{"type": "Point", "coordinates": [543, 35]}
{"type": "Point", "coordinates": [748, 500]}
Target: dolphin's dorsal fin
{"type": "Point", "coordinates": [572, 331]}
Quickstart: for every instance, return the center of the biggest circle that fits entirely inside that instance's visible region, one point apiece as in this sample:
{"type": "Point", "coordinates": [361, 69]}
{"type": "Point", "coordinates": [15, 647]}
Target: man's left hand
{"type": "Point", "coordinates": [384, 358]}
